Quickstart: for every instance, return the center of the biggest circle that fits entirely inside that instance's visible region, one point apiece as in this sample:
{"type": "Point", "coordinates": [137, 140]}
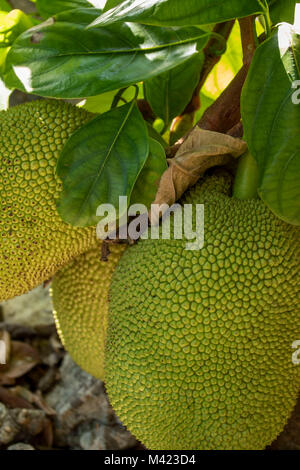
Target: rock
{"type": "Point", "coordinates": [99, 436]}
{"type": "Point", "coordinates": [20, 446]}
{"type": "Point", "coordinates": [19, 424]}
{"type": "Point", "coordinates": [32, 310]}
{"type": "Point", "coordinates": [31, 422]}
{"type": "Point", "coordinates": [85, 419]}
{"type": "Point", "coordinates": [48, 379]}
{"type": "Point", "coordinates": [8, 427]}
{"type": "Point", "coordinates": [289, 439]}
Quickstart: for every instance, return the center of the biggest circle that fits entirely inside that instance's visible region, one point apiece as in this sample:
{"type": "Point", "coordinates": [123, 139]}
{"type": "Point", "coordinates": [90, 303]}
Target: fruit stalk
{"type": "Point", "coordinates": [247, 178]}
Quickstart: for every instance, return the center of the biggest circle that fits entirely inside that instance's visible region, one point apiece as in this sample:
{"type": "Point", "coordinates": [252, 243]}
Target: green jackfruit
{"type": "Point", "coordinates": [80, 301]}
{"type": "Point", "coordinates": [35, 242]}
{"type": "Point", "coordinates": [199, 346]}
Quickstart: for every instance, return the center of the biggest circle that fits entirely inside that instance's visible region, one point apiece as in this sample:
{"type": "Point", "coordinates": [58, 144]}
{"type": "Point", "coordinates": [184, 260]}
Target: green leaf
{"type": "Point", "coordinates": [63, 59]}
{"type": "Point", "coordinates": [5, 6]}
{"type": "Point", "coordinates": [180, 12]}
{"type": "Point", "coordinates": [146, 186]}
{"type": "Point", "coordinates": [111, 4]}
{"type": "Point", "coordinates": [271, 120]}
{"type": "Point", "coordinates": [101, 103]}
{"type": "Point", "coordinates": [283, 10]}
{"type": "Point", "coordinates": [3, 54]}
{"type": "Point", "coordinates": [47, 8]}
{"type": "Point", "coordinates": [169, 93]}
{"type": "Point", "coordinates": [154, 135]}
{"type": "Point", "coordinates": [100, 162]}
{"type": "Point", "coordinates": [12, 24]}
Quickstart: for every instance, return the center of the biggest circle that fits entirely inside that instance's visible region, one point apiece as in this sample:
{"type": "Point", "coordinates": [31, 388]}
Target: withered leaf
{"type": "Point", "coordinates": [10, 399]}
{"type": "Point", "coordinates": [201, 151]}
{"type": "Point", "coordinates": [23, 358]}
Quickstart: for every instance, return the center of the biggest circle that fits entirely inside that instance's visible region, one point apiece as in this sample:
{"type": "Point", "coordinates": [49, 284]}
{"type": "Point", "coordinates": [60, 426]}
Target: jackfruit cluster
{"type": "Point", "coordinates": [199, 346]}
{"type": "Point", "coordinates": [35, 242]}
{"type": "Point", "coordinates": [198, 343]}
{"type": "Point", "coordinates": [80, 302]}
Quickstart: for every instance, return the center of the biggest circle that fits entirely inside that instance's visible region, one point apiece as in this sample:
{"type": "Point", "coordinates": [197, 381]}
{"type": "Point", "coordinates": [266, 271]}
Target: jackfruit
{"type": "Point", "coordinates": [35, 242]}
{"type": "Point", "coordinates": [199, 346]}
{"type": "Point", "coordinates": [80, 300]}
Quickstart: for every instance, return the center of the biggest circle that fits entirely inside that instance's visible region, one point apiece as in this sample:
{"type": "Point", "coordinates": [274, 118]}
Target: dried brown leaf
{"type": "Point", "coordinates": [199, 152]}
{"type": "Point", "coordinates": [23, 358]}
{"type": "Point", "coordinates": [10, 399]}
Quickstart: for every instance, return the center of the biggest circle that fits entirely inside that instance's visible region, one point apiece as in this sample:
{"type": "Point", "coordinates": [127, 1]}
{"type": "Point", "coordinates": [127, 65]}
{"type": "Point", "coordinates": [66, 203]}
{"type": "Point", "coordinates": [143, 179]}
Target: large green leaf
{"type": "Point", "coordinates": [272, 121]}
{"type": "Point", "coordinates": [100, 162]}
{"type": "Point", "coordinates": [111, 4]}
{"type": "Point", "coordinates": [63, 59]}
{"type": "Point", "coordinates": [101, 103]}
{"type": "Point", "coordinates": [146, 186]}
{"type": "Point", "coordinates": [3, 54]}
{"type": "Point", "coordinates": [181, 12]}
{"type": "Point", "coordinates": [153, 134]}
{"type": "Point", "coordinates": [5, 6]}
{"type": "Point", "coordinates": [169, 93]}
{"type": "Point", "coordinates": [47, 8]}
{"type": "Point", "coordinates": [12, 24]}
{"type": "Point", "coordinates": [283, 10]}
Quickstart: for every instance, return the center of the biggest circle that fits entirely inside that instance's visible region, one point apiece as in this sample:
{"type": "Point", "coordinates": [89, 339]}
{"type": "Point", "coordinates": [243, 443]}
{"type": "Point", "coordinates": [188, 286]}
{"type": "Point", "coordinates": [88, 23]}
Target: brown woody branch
{"type": "Point", "coordinates": [247, 26]}
{"type": "Point", "coordinates": [225, 112]}
{"type": "Point", "coordinates": [237, 130]}
{"type": "Point", "coordinates": [146, 111]}
{"type": "Point", "coordinates": [210, 60]}
{"type": "Point", "coordinates": [224, 115]}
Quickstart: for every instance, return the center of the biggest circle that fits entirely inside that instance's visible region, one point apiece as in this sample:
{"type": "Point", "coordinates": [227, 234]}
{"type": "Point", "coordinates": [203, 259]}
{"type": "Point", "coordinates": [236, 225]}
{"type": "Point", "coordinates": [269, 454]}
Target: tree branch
{"type": "Point", "coordinates": [146, 111]}
{"type": "Point", "coordinates": [248, 37]}
{"type": "Point", "coordinates": [210, 60]}
{"type": "Point", "coordinates": [224, 113]}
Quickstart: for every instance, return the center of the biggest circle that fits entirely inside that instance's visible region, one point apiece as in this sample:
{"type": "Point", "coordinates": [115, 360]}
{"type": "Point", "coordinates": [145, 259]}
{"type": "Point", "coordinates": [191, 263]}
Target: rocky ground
{"type": "Point", "coordinates": [48, 402]}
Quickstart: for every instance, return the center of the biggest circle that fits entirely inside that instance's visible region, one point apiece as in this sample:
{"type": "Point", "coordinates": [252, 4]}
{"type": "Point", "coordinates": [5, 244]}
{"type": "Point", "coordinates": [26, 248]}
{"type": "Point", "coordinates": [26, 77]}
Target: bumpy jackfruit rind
{"type": "Point", "coordinates": [80, 301]}
{"type": "Point", "coordinates": [35, 242]}
{"type": "Point", "coordinates": [199, 346]}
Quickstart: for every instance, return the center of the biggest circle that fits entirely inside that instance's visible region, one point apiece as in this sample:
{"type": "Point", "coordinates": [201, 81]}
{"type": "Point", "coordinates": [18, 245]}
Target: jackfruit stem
{"type": "Point", "coordinates": [246, 179]}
